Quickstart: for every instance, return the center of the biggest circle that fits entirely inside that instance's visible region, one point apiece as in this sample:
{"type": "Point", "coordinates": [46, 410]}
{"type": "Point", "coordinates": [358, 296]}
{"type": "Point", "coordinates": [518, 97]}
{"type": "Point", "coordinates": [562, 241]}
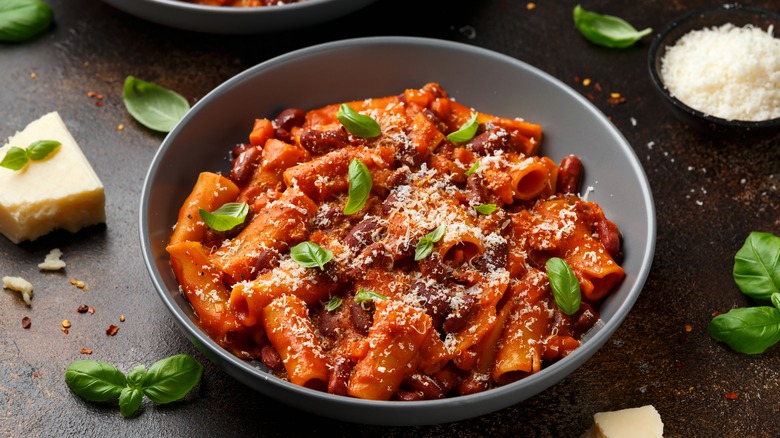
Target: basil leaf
{"type": "Point", "coordinates": [749, 330]}
{"type": "Point", "coordinates": [486, 208]}
{"type": "Point", "coordinates": [153, 106]}
{"type": "Point", "coordinates": [15, 158]}
{"type": "Point", "coordinates": [775, 300]}
{"type": "Point", "coordinates": [309, 255]}
{"type": "Point", "coordinates": [95, 381]}
{"type": "Point", "coordinates": [41, 149]}
{"type": "Point", "coordinates": [358, 124]}
{"type": "Point", "coordinates": [226, 217]}
{"type": "Point", "coordinates": [757, 265]}
{"type": "Point", "coordinates": [360, 184]}
{"type": "Point", "coordinates": [172, 378]}
{"type": "Point", "coordinates": [23, 19]}
{"type": "Point", "coordinates": [333, 304]}
{"type": "Point", "coordinates": [466, 131]}
{"type": "Point", "coordinates": [425, 245]}
{"type": "Point", "coordinates": [136, 376]}
{"type": "Point", "coordinates": [606, 30]}
{"type": "Point", "coordinates": [129, 400]}
{"type": "Point", "coordinates": [472, 169]}
{"type": "Point", "coordinates": [364, 296]}
{"type": "Point", "coordinates": [565, 286]}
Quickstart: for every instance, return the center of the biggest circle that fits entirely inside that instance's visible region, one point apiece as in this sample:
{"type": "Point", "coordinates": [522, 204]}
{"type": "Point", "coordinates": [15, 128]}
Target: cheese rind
{"type": "Point", "coordinates": [62, 191]}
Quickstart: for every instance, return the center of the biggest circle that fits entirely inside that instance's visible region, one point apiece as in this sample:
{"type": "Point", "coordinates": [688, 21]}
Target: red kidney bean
{"type": "Point", "coordinates": [570, 175]}
{"type": "Point", "coordinates": [267, 259]}
{"type": "Point", "coordinates": [490, 141]}
{"type": "Point", "coordinates": [425, 385]}
{"type": "Point", "coordinates": [290, 118]}
{"type": "Point", "coordinates": [434, 118]}
{"type": "Point", "coordinates": [475, 193]}
{"type": "Point", "coordinates": [271, 359]}
{"type": "Point", "coordinates": [402, 395]}
{"type": "Point", "coordinates": [361, 234]}
{"type": "Point", "coordinates": [610, 237]}
{"type": "Point", "coordinates": [434, 299]}
{"type": "Point", "coordinates": [329, 322]}
{"type": "Point", "coordinates": [471, 386]}
{"type": "Point", "coordinates": [390, 203]}
{"type": "Point", "coordinates": [236, 151]}
{"type": "Point", "coordinates": [360, 317]}
{"type": "Point", "coordinates": [339, 377]}
{"type": "Point", "coordinates": [244, 166]}
{"type": "Point", "coordinates": [320, 142]}
{"type": "Point", "coordinates": [433, 267]}
{"type": "Point", "coordinates": [459, 318]}
{"type": "Point", "coordinates": [494, 257]}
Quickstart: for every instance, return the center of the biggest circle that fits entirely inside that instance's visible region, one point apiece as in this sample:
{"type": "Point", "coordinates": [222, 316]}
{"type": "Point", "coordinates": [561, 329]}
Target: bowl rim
{"type": "Point", "coordinates": [653, 61]}
{"type": "Point", "coordinates": [233, 10]}
{"type": "Point", "coordinates": [394, 410]}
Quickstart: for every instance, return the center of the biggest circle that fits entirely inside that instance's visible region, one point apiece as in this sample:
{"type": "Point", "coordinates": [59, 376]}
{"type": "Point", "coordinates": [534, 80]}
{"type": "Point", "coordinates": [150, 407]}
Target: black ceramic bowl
{"type": "Point", "coordinates": [708, 17]}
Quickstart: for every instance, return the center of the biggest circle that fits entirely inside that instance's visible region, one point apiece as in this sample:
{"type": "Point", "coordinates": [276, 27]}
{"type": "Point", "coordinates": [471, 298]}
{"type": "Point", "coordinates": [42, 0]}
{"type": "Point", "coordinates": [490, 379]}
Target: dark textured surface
{"type": "Point", "coordinates": [709, 195]}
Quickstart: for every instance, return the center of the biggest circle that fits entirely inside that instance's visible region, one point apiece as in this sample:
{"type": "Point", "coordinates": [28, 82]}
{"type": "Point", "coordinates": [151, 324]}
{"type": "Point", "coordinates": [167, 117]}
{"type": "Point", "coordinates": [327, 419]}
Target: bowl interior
{"type": "Point", "coordinates": [383, 66]}
{"type": "Point", "coordinates": [698, 19]}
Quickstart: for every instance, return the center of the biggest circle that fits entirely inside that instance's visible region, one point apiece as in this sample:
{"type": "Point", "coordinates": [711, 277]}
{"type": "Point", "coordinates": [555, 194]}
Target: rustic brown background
{"type": "Point", "coordinates": [709, 194]}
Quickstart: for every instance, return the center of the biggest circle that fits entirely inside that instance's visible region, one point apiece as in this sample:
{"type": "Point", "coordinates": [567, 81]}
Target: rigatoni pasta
{"type": "Point", "coordinates": [432, 285]}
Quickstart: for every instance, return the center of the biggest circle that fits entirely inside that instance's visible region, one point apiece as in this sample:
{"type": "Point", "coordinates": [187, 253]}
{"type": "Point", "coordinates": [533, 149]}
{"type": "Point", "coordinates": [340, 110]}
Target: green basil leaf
{"type": "Point", "coordinates": [472, 169]}
{"type": "Point", "coordinates": [358, 124]}
{"type": "Point", "coordinates": [749, 330]}
{"type": "Point", "coordinates": [466, 131]}
{"type": "Point", "coordinates": [333, 304]}
{"type": "Point", "coordinates": [360, 184]}
{"type": "Point", "coordinates": [226, 217]}
{"type": "Point", "coordinates": [42, 149]}
{"type": "Point", "coordinates": [23, 19]}
{"type": "Point", "coordinates": [606, 30]}
{"type": "Point", "coordinates": [15, 158]}
{"type": "Point", "coordinates": [309, 255]}
{"type": "Point", "coordinates": [775, 300]}
{"type": "Point", "coordinates": [95, 381]}
{"type": "Point", "coordinates": [129, 400]}
{"type": "Point", "coordinates": [486, 208]}
{"type": "Point", "coordinates": [425, 245]}
{"type": "Point", "coordinates": [172, 378]}
{"type": "Point", "coordinates": [565, 285]}
{"type": "Point", "coordinates": [153, 106]}
{"type": "Point", "coordinates": [364, 296]}
{"type": "Point", "coordinates": [136, 376]}
{"type": "Point", "coordinates": [757, 265]}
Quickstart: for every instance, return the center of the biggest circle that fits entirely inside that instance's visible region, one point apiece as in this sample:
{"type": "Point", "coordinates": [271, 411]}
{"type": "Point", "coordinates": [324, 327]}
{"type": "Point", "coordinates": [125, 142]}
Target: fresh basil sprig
{"type": "Point", "coordinates": [486, 208]}
{"type": "Point", "coordinates": [16, 158]}
{"type": "Point", "coordinates": [366, 297]}
{"type": "Point", "coordinates": [360, 184]}
{"type": "Point", "coordinates": [167, 380]}
{"type": "Point", "coordinates": [333, 303]}
{"type": "Point", "coordinates": [309, 254]}
{"type": "Point", "coordinates": [757, 266]}
{"type": "Point", "coordinates": [358, 124]}
{"type": "Point", "coordinates": [565, 285]}
{"type": "Point", "coordinates": [425, 245]}
{"type": "Point", "coordinates": [23, 19]}
{"type": "Point", "coordinates": [751, 330]}
{"type": "Point", "coordinates": [607, 30]}
{"type": "Point", "coordinates": [226, 217]}
{"type": "Point", "coordinates": [466, 131]}
{"type": "Point", "coordinates": [153, 106]}
{"type": "Point", "coordinates": [472, 169]}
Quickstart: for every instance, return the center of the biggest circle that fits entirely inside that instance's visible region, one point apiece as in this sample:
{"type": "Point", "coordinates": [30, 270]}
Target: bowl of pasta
{"type": "Point", "coordinates": [397, 244]}
{"type": "Point", "coordinates": [238, 17]}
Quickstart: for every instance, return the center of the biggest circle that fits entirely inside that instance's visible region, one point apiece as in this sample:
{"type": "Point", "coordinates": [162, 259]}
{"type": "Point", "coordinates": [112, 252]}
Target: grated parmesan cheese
{"type": "Point", "coordinates": [728, 72]}
{"type": "Point", "coordinates": [52, 262]}
{"type": "Point", "coordinates": [20, 285]}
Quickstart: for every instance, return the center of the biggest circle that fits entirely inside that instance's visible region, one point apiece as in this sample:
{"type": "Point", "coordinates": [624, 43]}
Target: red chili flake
{"type": "Point", "coordinates": [86, 351]}
{"type": "Point", "coordinates": [688, 327]}
{"type": "Point", "coordinates": [99, 103]}
{"type": "Point", "coordinates": [64, 330]}
{"type": "Point", "coordinates": [83, 308]}
{"type": "Point", "coordinates": [26, 322]}
{"type": "Point", "coordinates": [111, 330]}
{"type": "Point", "coordinates": [616, 100]}
{"type": "Point", "coordinates": [91, 310]}
{"type": "Point", "coordinates": [597, 87]}
{"type": "Point", "coordinates": [715, 313]}
{"type": "Point", "coordinates": [732, 395]}
{"type": "Point", "coordinates": [91, 94]}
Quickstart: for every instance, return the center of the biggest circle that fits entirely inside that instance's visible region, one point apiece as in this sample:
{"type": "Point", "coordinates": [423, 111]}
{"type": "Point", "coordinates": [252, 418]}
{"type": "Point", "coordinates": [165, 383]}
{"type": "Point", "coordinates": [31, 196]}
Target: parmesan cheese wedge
{"type": "Point", "coordinates": [62, 191]}
{"type": "Point", "coordinates": [642, 422]}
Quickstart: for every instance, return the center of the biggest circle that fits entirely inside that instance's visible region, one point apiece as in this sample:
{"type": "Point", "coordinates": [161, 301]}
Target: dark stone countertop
{"type": "Point", "coordinates": [709, 194]}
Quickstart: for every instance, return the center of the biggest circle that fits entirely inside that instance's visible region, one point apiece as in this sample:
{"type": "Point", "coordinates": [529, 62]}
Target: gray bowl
{"type": "Point", "coordinates": [238, 20]}
{"type": "Point", "coordinates": [383, 66]}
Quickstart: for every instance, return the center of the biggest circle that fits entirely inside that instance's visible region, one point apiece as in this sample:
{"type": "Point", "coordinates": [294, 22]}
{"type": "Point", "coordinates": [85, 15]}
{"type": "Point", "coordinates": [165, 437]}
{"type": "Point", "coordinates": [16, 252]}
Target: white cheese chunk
{"type": "Point", "coordinates": [20, 285]}
{"type": "Point", "coordinates": [62, 191]}
{"type": "Point", "coordinates": [52, 262]}
{"type": "Point", "coordinates": [642, 422]}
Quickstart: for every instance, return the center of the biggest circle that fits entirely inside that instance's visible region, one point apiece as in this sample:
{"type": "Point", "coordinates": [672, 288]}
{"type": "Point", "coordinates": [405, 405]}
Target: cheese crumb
{"type": "Point", "coordinates": [61, 191]}
{"type": "Point", "coordinates": [728, 72]}
{"type": "Point", "coordinates": [642, 422]}
{"type": "Point", "coordinates": [20, 285]}
{"type": "Point", "coordinates": [52, 262]}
